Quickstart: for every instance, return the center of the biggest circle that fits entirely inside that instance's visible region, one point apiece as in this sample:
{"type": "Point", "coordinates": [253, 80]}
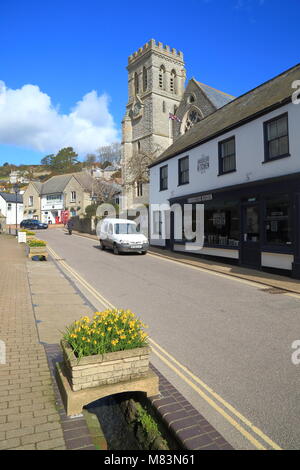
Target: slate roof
{"type": "Point", "coordinates": [267, 96]}
{"type": "Point", "coordinates": [56, 184]}
{"type": "Point", "coordinates": [11, 197]}
{"type": "Point", "coordinates": [216, 97]}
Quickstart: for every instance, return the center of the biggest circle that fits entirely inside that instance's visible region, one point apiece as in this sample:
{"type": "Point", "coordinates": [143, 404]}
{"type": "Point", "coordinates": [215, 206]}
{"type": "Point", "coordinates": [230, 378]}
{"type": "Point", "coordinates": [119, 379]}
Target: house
{"type": "Point", "coordinates": [243, 163]}
{"type": "Point", "coordinates": [159, 110]}
{"type": "Point", "coordinates": [60, 196]}
{"type": "Point", "coordinates": [11, 207]}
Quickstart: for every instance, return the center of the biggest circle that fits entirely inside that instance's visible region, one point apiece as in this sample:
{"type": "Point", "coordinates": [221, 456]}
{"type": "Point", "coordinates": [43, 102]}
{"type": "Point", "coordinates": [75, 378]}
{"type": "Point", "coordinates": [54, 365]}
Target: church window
{"type": "Point", "coordinates": [139, 145]}
{"type": "Point", "coordinates": [139, 189]}
{"type": "Point", "coordinates": [145, 79]}
{"type": "Point", "coordinates": [175, 108]}
{"type": "Point", "coordinates": [164, 107]}
{"type": "Point", "coordinates": [161, 78]}
{"type": "Point", "coordinates": [173, 82]}
{"type": "Point", "coordinates": [136, 83]}
{"type": "Point", "coordinates": [191, 99]}
{"type": "Point", "coordinates": [192, 118]}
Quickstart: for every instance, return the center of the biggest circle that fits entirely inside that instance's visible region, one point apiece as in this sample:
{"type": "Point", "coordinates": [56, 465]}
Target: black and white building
{"type": "Point", "coordinates": [243, 163]}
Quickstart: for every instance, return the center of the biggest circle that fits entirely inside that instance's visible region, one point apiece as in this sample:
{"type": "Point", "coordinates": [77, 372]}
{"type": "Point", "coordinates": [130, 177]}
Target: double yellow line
{"type": "Point", "coordinates": [251, 432]}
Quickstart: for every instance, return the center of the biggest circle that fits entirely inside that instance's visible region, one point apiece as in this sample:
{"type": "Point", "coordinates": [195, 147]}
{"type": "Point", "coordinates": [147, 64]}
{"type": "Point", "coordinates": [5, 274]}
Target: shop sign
{"type": "Point", "coordinates": [203, 163]}
{"type": "Point", "coordinates": [205, 197]}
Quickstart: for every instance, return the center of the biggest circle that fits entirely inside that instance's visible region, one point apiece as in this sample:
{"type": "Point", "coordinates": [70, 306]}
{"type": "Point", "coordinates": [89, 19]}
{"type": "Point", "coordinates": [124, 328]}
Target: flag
{"type": "Point", "coordinates": [174, 118]}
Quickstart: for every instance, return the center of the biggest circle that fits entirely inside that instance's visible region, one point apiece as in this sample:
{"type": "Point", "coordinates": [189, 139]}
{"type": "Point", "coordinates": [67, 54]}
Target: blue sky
{"type": "Point", "coordinates": [63, 63]}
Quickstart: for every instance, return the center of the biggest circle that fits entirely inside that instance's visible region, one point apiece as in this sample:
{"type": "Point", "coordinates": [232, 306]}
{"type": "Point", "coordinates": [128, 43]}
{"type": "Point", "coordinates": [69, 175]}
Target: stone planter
{"type": "Point", "coordinates": [105, 369]}
{"type": "Point", "coordinates": [36, 251]}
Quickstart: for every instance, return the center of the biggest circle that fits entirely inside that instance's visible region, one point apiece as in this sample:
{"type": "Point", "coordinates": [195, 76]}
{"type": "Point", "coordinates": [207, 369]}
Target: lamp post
{"type": "Point", "coordinates": [16, 190]}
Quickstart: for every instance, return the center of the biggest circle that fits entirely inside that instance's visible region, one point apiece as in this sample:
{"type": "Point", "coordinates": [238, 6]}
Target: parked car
{"type": "Point", "coordinates": [33, 223]}
{"type": "Point", "coordinates": [121, 235]}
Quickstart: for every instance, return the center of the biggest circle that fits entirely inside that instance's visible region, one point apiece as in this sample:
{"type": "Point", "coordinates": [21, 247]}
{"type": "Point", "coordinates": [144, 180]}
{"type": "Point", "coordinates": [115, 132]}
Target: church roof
{"type": "Point", "coordinates": [216, 97]}
{"type": "Point", "coordinates": [264, 98]}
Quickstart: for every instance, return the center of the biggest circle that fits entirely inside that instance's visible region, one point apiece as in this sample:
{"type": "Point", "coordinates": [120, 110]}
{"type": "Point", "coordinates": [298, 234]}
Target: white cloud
{"type": "Point", "coordinates": [29, 119]}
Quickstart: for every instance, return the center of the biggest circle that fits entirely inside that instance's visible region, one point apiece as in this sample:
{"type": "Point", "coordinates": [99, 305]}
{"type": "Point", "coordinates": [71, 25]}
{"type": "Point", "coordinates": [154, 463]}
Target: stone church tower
{"type": "Point", "coordinates": [156, 78]}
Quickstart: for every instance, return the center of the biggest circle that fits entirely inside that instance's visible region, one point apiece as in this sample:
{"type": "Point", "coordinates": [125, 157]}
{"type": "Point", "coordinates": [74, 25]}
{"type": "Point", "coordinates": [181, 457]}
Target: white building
{"type": "Point", "coordinates": [243, 163]}
{"type": "Point", "coordinates": [10, 208]}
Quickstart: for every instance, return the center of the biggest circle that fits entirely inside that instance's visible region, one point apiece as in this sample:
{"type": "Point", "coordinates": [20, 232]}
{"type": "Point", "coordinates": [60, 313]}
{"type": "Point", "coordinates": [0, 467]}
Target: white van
{"type": "Point", "coordinates": [121, 235]}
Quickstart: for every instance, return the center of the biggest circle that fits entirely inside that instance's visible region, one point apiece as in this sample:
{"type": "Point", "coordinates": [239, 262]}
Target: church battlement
{"type": "Point", "coordinates": [157, 46]}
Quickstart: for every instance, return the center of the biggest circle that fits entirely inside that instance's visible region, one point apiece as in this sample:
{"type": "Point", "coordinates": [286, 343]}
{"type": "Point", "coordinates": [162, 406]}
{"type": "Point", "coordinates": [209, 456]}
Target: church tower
{"type": "Point", "coordinates": [156, 78]}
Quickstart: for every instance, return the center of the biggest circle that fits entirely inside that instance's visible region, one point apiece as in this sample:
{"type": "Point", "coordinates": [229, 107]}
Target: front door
{"type": "Point", "coordinates": [250, 242]}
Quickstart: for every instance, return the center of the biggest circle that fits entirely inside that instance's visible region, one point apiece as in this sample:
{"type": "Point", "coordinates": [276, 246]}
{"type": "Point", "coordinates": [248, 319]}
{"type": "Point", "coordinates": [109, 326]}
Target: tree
{"type": "Point", "coordinates": [64, 160]}
{"type": "Point", "coordinates": [110, 153]}
{"type": "Point", "coordinates": [47, 160]}
{"type": "Point", "coordinates": [136, 170]}
{"type": "Point", "coordinates": [103, 191]}
{"type": "Point", "coordinates": [90, 159]}
{"type": "Point", "coordinates": [6, 164]}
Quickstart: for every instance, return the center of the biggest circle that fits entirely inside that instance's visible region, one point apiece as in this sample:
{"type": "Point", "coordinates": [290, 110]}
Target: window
{"type": "Point", "coordinates": [9, 206]}
{"type": "Point", "coordinates": [145, 79]}
{"type": "Point", "coordinates": [53, 197]}
{"type": "Point", "coordinates": [125, 229]}
{"type": "Point", "coordinates": [192, 117]}
{"type": "Point", "coordinates": [222, 223]}
{"type": "Point", "coordinates": [157, 223]}
{"type": "Point", "coordinates": [278, 221]}
{"type": "Point", "coordinates": [73, 196]}
{"type": "Point", "coordinates": [136, 83]}
{"type": "Point", "coordinates": [163, 177]}
{"type": "Point", "coordinates": [30, 201]}
{"type": "Point", "coordinates": [164, 106]}
{"type": "Point", "coordinates": [183, 170]}
{"type": "Point", "coordinates": [227, 156]}
{"type": "Point", "coordinates": [161, 77]}
{"type": "Point", "coordinates": [276, 138]}
{"type": "Point", "coordinates": [139, 189]}
{"type": "Point", "coordinates": [173, 82]}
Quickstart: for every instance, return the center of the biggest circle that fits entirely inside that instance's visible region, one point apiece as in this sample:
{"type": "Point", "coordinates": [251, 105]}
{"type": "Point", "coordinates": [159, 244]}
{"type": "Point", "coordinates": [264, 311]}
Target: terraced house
{"type": "Point", "coordinates": [50, 200]}
{"type": "Point", "coordinates": [243, 163]}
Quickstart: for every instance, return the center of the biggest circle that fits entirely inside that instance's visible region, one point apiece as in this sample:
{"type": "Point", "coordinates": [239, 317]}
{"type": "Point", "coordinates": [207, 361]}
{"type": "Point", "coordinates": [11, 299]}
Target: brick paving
{"type": "Point", "coordinates": [28, 412]}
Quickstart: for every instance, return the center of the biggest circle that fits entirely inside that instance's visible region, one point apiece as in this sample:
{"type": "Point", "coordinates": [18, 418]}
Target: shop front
{"type": "Point", "coordinates": [256, 224]}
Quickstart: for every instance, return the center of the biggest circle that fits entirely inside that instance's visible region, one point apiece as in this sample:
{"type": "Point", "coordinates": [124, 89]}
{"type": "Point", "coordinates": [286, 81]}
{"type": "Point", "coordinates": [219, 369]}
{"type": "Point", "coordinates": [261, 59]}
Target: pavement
{"type": "Point", "coordinates": [31, 412]}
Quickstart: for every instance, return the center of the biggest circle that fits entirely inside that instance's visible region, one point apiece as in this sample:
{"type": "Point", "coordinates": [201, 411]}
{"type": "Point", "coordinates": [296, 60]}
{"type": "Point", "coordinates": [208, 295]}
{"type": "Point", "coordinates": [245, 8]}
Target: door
{"type": "Point", "coordinates": [250, 242]}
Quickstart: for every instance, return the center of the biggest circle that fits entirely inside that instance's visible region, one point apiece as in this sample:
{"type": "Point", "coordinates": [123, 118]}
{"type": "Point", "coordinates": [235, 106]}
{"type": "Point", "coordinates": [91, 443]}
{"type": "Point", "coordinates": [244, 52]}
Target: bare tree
{"type": "Point", "coordinates": [136, 168]}
{"type": "Point", "coordinates": [90, 159]}
{"type": "Point", "coordinates": [103, 191]}
{"type": "Point", "coordinates": [110, 153]}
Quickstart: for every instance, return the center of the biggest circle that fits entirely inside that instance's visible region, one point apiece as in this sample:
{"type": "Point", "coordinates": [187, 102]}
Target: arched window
{"type": "Point", "coordinates": [192, 117]}
{"type": "Point", "coordinates": [136, 83]}
{"type": "Point", "coordinates": [145, 79]}
{"type": "Point", "coordinates": [161, 78]}
{"type": "Point", "coordinates": [173, 82]}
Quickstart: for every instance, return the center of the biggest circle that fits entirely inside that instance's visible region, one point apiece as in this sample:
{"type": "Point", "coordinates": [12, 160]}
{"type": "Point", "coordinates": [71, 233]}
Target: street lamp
{"type": "Point", "coordinates": [16, 191]}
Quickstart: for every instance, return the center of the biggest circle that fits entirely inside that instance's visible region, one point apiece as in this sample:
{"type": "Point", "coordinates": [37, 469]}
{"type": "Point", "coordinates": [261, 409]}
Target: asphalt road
{"type": "Point", "coordinates": [230, 335]}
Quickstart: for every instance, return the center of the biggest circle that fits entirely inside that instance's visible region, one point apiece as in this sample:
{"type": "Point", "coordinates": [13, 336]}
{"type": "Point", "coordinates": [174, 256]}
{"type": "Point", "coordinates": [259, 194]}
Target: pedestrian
{"type": "Point", "coordinates": [70, 226]}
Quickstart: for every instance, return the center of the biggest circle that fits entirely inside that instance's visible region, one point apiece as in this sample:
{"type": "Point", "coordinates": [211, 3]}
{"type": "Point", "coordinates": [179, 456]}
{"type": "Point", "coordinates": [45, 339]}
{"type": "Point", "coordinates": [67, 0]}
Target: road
{"type": "Point", "coordinates": [223, 342]}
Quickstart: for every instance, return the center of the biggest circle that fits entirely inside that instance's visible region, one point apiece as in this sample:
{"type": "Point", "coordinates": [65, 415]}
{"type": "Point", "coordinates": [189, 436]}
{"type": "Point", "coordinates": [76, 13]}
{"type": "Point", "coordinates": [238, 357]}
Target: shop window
{"type": "Point", "coordinates": [183, 171]}
{"type": "Point", "coordinates": [227, 162]}
{"type": "Point", "coordinates": [278, 221]}
{"type": "Point", "coordinates": [163, 178]}
{"type": "Point", "coordinates": [276, 138]}
{"type": "Point", "coordinates": [221, 224]}
{"type": "Point", "coordinates": [157, 223]}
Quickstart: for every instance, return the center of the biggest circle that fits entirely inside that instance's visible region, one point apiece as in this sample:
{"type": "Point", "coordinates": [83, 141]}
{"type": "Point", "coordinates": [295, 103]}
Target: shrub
{"type": "Point", "coordinates": [34, 243]}
{"type": "Point", "coordinates": [28, 232]}
{"type": "Point", "coordinates": [108, 331]}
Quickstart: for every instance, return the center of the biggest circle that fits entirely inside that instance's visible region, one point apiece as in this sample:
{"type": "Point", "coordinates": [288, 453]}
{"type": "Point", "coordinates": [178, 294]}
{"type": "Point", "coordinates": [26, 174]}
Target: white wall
{"type": "Point", "coordinates": [11, 214]}
{"type": "Point", "coordinates": [249, 140]}
{"type": "Point", "coordinates": [54, 204]}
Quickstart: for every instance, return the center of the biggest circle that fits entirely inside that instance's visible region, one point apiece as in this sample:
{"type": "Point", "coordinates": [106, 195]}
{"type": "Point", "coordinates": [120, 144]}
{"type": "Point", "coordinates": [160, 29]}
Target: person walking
{"type": "Point", "coordinates": [70, 226]}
